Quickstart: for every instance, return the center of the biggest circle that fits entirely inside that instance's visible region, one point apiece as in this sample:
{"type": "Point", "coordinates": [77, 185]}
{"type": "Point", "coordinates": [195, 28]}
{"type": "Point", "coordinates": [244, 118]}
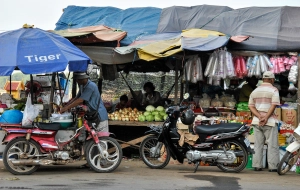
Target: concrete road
{"type": "Point", "coordinates": [135, 175]}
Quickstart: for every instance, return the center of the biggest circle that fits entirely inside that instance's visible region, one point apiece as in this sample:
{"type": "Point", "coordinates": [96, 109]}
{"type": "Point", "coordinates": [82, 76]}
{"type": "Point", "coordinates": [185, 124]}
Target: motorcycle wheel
{"type": "Point", "coordinates": [157, 161]}
{"type": "Point", "coordinates": [112, 155]}
{"type": "Point", "coordinates": [241, 160]}
{"type": "Point", "coordinates": [287, 162]}
{"type": "Point", "coordinates": [18, 149]}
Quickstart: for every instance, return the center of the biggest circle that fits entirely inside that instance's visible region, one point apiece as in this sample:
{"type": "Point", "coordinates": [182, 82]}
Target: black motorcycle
{"type": "Point", "coordinates": [223, 145]}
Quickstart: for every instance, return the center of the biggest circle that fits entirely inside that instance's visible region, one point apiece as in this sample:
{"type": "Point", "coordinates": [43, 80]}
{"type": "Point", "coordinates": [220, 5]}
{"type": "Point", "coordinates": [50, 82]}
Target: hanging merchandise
{"type": "Point", "coordinates": [257, 72]}
{"type": "Point", "coordinates": [216, 81]}
{"type": "Point", "coordinates": [293, 74]}
{"type": "Point", "coordinates": [210, 63]}
{"type": "Point", "coordinates": [267, 61]}
{"type": "Point", "coordinates": [292, 87]}
{"type": "Point", "coordinates": [282, 63]}
{"type": "Point", "coordinates": [240, 66]}
{"type": "Point", "coordinates": [193, 70]}
{"type": "Point", "coordinates": [210, 80]}
{"type": "Point", "coordinates": [259, 64]}
{"type": "Point", "coordinates": [253, 63]}
{"type": "Point", "coordinates": [220, 66]}
{"type": "Point", "coordinates": [230, 72]}
{"type": "Point", "coordinates": [263, 65]}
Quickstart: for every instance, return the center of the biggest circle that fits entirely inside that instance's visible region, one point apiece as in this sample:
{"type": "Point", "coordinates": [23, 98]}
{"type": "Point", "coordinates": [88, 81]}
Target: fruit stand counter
{"type": "Point", "coordinates": [130, 134]}
{"type": "Point", "coordinates": [134, 123]}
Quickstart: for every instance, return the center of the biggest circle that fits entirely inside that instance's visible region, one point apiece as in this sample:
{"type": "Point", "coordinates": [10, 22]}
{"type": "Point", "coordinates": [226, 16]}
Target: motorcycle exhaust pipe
{"type": "Point", "coordinates": [31, 162]}
{"type": "Point", "coordinates": [25, 162]}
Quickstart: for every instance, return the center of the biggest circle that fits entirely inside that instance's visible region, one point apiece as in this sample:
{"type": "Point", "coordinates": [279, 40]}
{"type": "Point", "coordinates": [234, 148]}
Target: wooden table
{"type": "Point", "coordinates": [134, 123]}
{"type": "Point", "coordinates": [140, 136]}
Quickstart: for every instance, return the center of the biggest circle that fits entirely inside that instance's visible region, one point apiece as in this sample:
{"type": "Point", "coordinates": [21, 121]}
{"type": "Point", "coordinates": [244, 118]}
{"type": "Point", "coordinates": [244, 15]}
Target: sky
{"type": "Point", "coordinates": [45, 13]}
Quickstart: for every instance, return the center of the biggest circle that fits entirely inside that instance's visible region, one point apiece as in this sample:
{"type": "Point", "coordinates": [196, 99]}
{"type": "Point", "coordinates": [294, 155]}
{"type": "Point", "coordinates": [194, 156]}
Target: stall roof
{"type": "Point", "coordinates": [107, 55]}
{"type": "Point", "coordinates": [178, 18]}
{"type": "Point", "coordinates": [135, 21]}
{"type": "Point", "coordinates": [270, 28]}
{"type": "Point", "coordinates": [91, 34]}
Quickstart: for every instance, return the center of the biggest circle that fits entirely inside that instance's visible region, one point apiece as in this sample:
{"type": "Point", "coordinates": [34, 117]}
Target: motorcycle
{"type": "Point", "coordinates": [29, 147]}
{"type": "Point", "coordinates": [223, 145]}
{"type": "Point", "coordinates": [291, 155]}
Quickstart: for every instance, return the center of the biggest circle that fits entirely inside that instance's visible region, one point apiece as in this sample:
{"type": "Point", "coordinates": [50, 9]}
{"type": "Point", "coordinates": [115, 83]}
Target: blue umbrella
{"type": "Point", "coordinates": [35, 51]}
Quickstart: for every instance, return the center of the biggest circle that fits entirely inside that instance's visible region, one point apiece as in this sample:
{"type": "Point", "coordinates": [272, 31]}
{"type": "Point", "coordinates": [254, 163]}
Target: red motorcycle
{"type": "Point", "coordinates": [27, 148]}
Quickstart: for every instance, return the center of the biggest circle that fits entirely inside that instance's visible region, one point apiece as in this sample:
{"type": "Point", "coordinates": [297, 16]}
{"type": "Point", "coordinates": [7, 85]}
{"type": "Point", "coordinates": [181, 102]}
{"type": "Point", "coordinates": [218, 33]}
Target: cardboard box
{"type": "Point", "coordinates": [182, 126]}
{"type": "Point", "coordinates": [277, 113]}
{"type": "Point", "coordinates": [289, 116]}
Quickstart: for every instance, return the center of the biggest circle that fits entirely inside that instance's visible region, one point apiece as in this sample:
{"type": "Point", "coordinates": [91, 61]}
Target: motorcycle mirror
{"type": "Point", "coordinates": [186, 96]}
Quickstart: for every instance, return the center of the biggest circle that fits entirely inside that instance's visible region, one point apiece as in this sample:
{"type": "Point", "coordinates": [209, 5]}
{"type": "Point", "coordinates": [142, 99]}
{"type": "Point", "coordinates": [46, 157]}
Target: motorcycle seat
{"type": "Point", "coordinates": [49, 126]}
{"type": "Point", "coordinates": [218, 128]}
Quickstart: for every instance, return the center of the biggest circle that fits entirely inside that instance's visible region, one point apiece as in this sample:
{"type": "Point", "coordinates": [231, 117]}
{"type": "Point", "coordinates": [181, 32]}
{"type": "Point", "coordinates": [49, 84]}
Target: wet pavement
{"type": "Point", "coordinates": [134, 174]}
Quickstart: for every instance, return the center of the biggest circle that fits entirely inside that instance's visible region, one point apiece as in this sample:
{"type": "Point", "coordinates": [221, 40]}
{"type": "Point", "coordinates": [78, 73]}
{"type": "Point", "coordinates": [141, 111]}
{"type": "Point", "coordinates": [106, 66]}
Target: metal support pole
{"type": "Point", "coordinates": [51, 94]}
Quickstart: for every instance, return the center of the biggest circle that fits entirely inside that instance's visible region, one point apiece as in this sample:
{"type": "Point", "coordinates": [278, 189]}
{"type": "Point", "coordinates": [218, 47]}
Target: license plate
{"type": "Point", "coordinates": [247, 142]}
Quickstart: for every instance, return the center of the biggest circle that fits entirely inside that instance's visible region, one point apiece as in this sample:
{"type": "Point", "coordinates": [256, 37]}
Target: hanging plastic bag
{"type": "Point", "coordinates": [267, 60]}
{"type": "Point", "coordinates": [210, 63]}
{"type": "Point", "coordinates": [199, 68]}
{"type": "Point", "coordinates": [293, 74]}
{"type": "Point", "coordinates": [215, 66]}
{"type": "Point", "coordinates": [243, 67]}
{"type": "Point", "coordinates": [292, 87]}
{"type": "Point", "coordinates": [249, 66]}
{"type": "Point", "coordinates": [263, 64]}
{"type": "Point", "coordinates": [229, 64]}
{"type": "Point", "coordinates": [30, 112]}
{"type": "Point", "coordinates": [257, 72]}
{"type": "Point", "coordinates": [220, 67]}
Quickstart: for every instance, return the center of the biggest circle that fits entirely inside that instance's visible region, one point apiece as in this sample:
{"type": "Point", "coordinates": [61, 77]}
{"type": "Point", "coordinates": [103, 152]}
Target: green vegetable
{"type": "Point", "coordinates": [165, 117]}
{"type": "Point", "coordinates": [150, 108]}
{"type": "Point", "coordinates": [158, 118]}
{"type": "Point", "coordinates": [155, 113]}
{"type": "Point", "coordinates": [147, 113]}
{"type": "Point", "coordinates": [141, 118]}
{"type": "Point", "coordinates": [162, 113]}
{"type": "Point", "coordinates": [149, 117]}
{"type": "Point", "coordinates": [160, 108]}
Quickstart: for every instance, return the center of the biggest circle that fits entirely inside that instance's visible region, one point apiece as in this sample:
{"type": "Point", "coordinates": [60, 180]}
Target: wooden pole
{"type": "Point", "coordinates": [298, 93]}
{"type": "Point", "coordinates": [176, 82]}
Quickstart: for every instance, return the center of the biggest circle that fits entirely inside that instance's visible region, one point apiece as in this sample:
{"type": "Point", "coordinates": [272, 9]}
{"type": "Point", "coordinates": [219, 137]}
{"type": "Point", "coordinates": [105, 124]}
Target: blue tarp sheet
{"type": "Point", "coordinates": [136, 22]}
{"type": "Point", "coordinates": [203, 44]}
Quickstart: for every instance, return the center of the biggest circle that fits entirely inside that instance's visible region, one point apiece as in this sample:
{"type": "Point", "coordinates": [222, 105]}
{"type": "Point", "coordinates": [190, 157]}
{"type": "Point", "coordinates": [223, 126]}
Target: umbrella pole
{"type": "Point", "coordinates": [59, 88]}
{"type": "Point", "coordinates": [10, 84]}
{"type": "Point", "coordinates": [31, 88]}
{"type": "Point", "coordinates": [66, 86]}
{"type": "Point", "coordinates": [51, 94]}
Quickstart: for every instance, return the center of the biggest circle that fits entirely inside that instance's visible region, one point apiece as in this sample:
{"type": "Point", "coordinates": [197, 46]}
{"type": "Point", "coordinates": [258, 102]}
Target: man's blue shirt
{"type": "Point", "coordinates": [90, 94]}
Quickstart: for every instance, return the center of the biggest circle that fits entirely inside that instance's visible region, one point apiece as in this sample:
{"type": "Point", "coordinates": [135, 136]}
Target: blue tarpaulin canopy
{"type": "Point", "coordinates": [135, 21]}
{"type": "Point", "coordinates": [35, 51]}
